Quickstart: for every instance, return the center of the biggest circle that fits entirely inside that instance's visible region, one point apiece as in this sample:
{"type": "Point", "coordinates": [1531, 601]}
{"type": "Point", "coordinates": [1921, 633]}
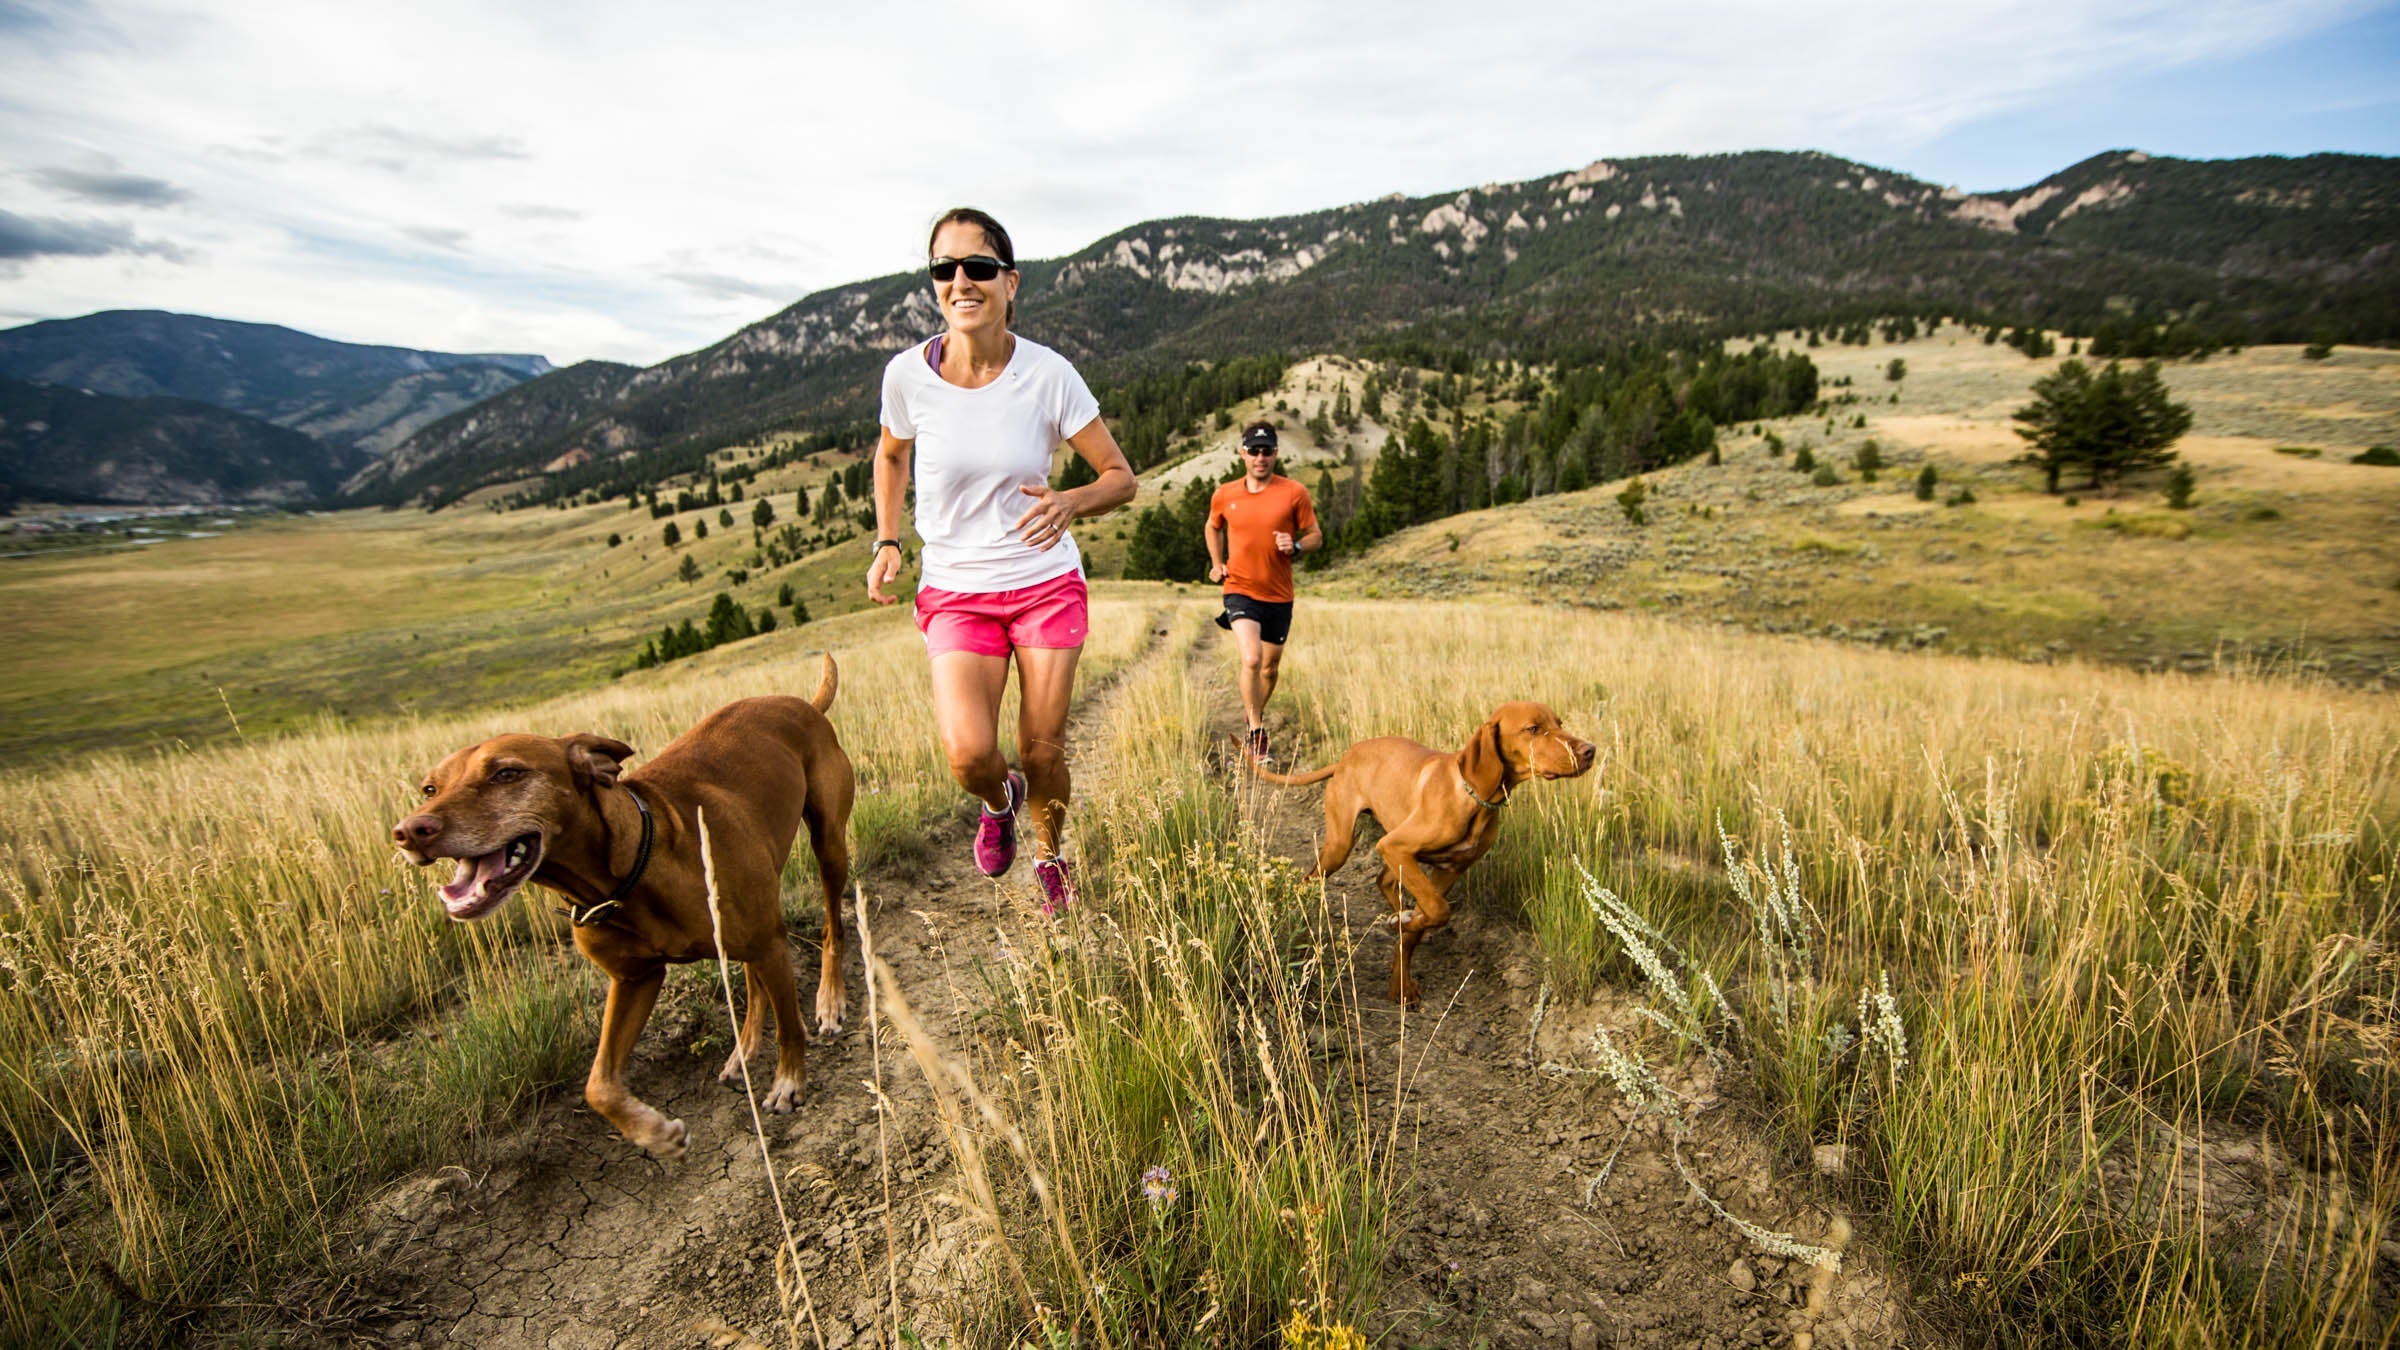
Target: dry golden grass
{"type": "Point", "coordinates": [2139, 928]}
{"type": "Point", "coordinates": [2285, 558]}
{"type": "Point", "coordinates": [217, 983]}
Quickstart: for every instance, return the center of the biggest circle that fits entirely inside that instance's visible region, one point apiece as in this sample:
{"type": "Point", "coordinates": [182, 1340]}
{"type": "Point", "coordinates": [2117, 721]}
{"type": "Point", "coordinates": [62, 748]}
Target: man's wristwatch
{"type": "Point", "coordinates": [882, 544]}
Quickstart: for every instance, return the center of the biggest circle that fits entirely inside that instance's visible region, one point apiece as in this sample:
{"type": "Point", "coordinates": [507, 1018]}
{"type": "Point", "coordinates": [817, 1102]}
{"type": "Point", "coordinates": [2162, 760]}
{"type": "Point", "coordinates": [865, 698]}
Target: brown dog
{"type": "Point", "coordinates": [625, 852]}
{"type": "Point", "coordinates": [1439, 812]}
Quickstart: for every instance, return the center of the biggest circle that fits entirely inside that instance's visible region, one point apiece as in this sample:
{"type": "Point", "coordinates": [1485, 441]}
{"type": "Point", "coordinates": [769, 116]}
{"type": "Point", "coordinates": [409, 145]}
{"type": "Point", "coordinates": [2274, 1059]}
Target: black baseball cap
{"type": "Point", "coordinates": [1259, 438]}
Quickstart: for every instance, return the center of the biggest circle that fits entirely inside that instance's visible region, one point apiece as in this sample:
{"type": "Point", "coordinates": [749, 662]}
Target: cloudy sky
{"type": "Point", "coordinates": [605, 179]}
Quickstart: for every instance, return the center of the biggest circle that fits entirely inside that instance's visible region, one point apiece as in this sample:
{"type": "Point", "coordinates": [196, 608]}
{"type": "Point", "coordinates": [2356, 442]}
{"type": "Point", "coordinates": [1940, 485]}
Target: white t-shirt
{"type": "Point", "coordinates": [975, 449]}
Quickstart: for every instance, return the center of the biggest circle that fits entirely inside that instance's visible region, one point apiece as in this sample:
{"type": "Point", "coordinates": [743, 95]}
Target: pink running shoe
{"type": "Point", "coordinates": [1058, 885]}
{"type": "Point", "coordinates": [996, 834]}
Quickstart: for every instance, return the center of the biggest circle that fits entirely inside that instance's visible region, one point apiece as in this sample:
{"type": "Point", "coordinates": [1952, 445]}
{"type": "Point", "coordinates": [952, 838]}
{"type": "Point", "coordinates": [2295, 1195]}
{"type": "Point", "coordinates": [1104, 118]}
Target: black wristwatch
{"type": "Point", "coordinates": [882, 544]}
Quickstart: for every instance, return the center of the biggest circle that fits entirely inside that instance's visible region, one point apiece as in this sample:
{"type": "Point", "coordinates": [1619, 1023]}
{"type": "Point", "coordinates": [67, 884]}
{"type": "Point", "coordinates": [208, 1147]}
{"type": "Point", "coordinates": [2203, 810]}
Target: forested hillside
{"type": "Point", "coordinates": [1664, 248]}
{"type": "Point", "coordinates": [355, 400]}
{"type": "Point", "coordinates": [69, 445]}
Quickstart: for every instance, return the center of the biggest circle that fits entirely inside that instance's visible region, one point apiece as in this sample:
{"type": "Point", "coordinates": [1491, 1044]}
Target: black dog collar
{"type": "Point", "coordinates": [583, 916]}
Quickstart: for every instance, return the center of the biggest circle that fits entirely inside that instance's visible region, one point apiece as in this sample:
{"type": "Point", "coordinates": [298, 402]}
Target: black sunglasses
{"type": "Point", "coordinates": [1266, 450]}
{"type": "Point", "coordinates": [981, 267]}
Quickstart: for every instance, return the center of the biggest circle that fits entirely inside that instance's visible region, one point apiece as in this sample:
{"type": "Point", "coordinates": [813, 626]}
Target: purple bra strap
{"type": "Point", "coordinates": [934, 351]}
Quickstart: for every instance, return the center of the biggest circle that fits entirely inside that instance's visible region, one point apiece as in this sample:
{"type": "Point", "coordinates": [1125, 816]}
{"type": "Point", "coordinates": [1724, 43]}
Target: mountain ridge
{"type": "Point", "coordinates": [2268, 248]}
{"type": "Point", "coordinates": [73, 445]}
{"type": "Point", "coordinates": [358, 399]}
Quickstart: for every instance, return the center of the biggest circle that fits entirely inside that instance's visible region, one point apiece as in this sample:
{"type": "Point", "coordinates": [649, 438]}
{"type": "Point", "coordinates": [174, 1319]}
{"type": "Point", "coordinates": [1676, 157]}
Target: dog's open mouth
{"type": "Point", "coordinates": [482, 883]}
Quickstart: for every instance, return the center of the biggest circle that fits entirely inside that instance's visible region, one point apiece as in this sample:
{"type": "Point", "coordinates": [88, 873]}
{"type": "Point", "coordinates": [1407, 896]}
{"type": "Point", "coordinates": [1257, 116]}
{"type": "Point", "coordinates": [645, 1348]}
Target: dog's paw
{"type": "Point", "coordinates": [1402, 920]}
{"type": "Point", "coordinates": [732, 1072]}
{"type": "Point", "coordinates": [829, 1028]}
{"type": "Point", "coordinates": [669, 1143]}
{"type": "Point", "coordinates": [784, 1096]}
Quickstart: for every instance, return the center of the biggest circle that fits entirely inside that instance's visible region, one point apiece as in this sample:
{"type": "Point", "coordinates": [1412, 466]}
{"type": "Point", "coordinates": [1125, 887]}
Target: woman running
{"type": "Point", "coordinates": [974, 413]}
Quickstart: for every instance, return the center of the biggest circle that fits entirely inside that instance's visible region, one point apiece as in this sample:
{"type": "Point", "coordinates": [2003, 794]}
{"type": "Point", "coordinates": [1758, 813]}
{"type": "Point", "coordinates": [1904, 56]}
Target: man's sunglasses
{"type": "Point", "coordinates": [981, 267]}
{"type": "Point", "coordinates": [1267, 450]}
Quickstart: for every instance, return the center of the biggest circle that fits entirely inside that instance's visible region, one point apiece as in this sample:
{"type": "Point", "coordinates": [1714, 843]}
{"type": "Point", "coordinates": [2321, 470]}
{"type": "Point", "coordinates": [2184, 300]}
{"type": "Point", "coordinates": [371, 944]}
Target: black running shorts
{"type": "Point", "coordinates": [1274, 620]}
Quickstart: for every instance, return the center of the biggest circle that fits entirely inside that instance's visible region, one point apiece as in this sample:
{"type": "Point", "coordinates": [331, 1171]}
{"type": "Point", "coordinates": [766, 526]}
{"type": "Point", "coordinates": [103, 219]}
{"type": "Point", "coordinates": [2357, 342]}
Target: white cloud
{"type": "Point", "coordinates": [607, 180]}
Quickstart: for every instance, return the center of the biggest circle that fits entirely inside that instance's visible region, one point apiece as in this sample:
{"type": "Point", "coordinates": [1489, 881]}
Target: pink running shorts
{"type": "Point", "coordinates": [1055, 613]}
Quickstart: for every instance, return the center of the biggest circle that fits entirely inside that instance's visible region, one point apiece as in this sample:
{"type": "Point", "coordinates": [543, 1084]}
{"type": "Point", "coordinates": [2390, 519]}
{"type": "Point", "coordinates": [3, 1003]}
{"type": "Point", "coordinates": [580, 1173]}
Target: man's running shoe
{"type": "Point", "coordinates": [1058, 884]}
{"type": "Point", "coordinates": [1256, 744]}
{"type": "Point", "coordinates": [996, 832]}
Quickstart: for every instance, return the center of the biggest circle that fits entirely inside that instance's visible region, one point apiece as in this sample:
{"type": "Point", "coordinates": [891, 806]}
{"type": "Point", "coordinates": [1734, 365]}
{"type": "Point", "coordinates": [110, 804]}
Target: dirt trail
{"type": "Point", "coordinates": [568, 1237]}
{"type": "Point", "coordinates": [1497, 1245]}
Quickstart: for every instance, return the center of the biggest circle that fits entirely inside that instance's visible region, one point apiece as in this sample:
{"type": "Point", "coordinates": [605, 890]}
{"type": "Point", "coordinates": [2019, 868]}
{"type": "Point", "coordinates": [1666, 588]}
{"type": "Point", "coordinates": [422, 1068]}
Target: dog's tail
{"type": "Point", "coordinates": [1294, 779]}
{"type": "Point", "coordinates": [826, 684]}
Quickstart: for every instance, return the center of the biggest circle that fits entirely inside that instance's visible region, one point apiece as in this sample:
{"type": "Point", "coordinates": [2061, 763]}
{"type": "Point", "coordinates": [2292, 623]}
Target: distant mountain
{"type": "Point", "coordinates": [542, 422]}
{"type": "Point", "coordinates": [343, 393]}
{"type": "Point", "coordinates": [2251, 250]}
{"type": "Point", "coordinates": [375, 420]}
{"type": "Point", "coordinates": [60, 444]}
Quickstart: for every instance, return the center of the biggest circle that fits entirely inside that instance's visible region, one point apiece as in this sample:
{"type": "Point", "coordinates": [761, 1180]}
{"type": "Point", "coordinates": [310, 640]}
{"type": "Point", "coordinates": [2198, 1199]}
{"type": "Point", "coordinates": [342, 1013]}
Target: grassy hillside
{"type": "Point", "coordinates": [2133, 1083]}
{"type": "Point", "coordinates": [2290, 554]}
{"type": "Point", "coordinates": [2287, 558]}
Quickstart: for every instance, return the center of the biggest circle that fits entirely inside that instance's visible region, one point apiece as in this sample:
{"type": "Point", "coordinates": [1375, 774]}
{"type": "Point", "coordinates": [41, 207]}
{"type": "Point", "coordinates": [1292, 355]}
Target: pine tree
{"type": "Point", "coordinates": [2107, 424]}
{"type": "Point", "coordinates": [2179, 488]}
{"type": "Point", "coordinates": [727, 622]}
{"type": "Point", "coordinates": [1630, 501]}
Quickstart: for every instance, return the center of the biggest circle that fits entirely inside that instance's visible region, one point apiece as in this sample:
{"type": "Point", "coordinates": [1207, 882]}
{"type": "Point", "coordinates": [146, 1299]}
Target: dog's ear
{"type": "Point", "coordinates": [596, 759]}
{"type": "Point", "coordinates": [1483, 761]}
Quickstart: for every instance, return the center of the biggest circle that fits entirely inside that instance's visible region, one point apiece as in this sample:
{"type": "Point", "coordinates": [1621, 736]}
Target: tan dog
{"type": "Point", "coordinates": [625, 852]}
{"type": "Point", "coordinates": [1439, 812]}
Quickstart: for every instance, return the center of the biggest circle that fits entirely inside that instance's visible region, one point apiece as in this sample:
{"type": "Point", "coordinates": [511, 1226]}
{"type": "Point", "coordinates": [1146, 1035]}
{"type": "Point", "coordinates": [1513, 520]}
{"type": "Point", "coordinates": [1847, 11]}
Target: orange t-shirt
{"type": "Point", "coordinates": [1253, 566]}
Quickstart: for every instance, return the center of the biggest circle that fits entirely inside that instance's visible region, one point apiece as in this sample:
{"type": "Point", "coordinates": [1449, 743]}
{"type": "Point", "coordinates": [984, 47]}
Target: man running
{"type": "Point", "coordinates": [1257, 524]}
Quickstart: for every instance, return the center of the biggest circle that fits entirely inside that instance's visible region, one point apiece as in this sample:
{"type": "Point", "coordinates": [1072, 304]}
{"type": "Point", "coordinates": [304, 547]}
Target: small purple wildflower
{"type": "Point", "coordinates": [1158, 1186]}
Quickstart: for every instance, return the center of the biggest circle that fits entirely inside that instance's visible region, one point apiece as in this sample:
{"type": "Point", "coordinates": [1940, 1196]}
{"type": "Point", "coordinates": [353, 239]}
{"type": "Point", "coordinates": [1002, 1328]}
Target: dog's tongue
{"type": "Point", "coordinates": [473, 875]}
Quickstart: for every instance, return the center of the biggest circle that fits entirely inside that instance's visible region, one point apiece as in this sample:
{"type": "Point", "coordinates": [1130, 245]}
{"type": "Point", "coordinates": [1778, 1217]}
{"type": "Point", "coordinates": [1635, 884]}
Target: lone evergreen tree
{"type": "Point", "coordinates": [1630, 501]}
{"type": "Point", "coordinates": [2107, 424]}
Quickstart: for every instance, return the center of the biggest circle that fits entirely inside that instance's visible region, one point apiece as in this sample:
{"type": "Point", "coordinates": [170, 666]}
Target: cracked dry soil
{"type": "Point", "coordinates": [568, 1237]}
